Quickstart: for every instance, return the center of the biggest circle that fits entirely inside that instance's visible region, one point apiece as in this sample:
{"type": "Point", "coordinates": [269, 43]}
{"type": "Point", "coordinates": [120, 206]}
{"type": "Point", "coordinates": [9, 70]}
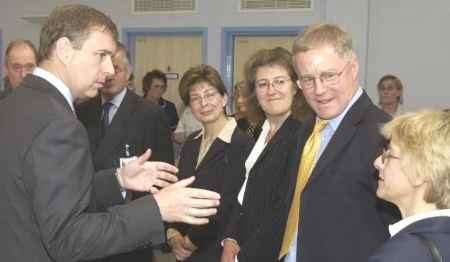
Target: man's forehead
{"type": "Point", "coordinates": [21, 51]}
{"type": "Point", "coordinates": [102, 40]}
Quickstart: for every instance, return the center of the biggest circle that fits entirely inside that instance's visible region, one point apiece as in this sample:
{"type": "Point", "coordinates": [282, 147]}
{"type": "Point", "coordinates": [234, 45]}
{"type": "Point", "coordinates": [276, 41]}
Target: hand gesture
{"type": "Point", "coordinates": [180, 248]}
{"type": "Point", "coordinates": [179, 203]}
{"type": "Point", "coordinates": [230, 251]}
{"type": "Point", "coordinates": [142, 175]}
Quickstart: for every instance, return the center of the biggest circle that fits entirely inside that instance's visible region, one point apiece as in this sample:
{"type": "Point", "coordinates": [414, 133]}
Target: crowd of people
{"type": "Point", "coordinates": [307, 169]}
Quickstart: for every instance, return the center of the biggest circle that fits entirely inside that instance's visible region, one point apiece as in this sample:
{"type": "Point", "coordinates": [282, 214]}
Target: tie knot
{"type": "Point", "coordinates": [106, 106]}
{"type": "Point", "coordinates": [320, 125]}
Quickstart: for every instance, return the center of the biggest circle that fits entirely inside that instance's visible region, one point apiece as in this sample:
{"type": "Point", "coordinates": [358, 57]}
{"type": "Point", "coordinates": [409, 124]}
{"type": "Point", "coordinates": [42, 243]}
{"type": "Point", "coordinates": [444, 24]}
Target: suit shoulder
{"type": "Point", "coordinates": [402, 248]}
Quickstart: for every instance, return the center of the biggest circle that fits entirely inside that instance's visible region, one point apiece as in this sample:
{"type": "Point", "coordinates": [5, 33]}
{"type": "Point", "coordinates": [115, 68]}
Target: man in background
{"type": "Point", "coordinates": [20, 59]}
{"type": "Point", "coordinates": [130, 126]}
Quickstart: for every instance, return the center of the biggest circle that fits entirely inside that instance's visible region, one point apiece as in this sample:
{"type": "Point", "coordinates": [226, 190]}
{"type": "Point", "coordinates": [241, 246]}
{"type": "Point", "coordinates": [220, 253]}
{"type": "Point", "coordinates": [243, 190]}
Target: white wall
{"type": "Point", "coordinates": [401, 37]}
{"type": "Point", "coordinates": [411, 39]}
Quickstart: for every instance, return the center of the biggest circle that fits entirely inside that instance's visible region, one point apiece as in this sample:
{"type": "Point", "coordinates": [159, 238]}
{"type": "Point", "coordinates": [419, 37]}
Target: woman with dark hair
{"type": "Point", "coordinates": [214, 155]}
{"type": "Point", "coordinates": [154, 85]}
{"type": "Point", "coordinates": [256, 226]}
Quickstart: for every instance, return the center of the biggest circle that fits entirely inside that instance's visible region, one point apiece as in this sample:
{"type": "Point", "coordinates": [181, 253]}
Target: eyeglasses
{"type": "Point", "coordinates": [208, 97]}
{"type": "Point", "coordinates": [277, 82]}
{"type": "Point", "coordinates": [20, 67]}
{"type": "Point", "coordinates": [387, 155]}
{"type": "Point", "coordinates": [327, 78]}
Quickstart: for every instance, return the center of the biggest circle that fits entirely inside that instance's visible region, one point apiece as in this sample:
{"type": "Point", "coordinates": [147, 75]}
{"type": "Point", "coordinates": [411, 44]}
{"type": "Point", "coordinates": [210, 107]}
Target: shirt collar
{"type": "Point", "coordinates": [57, 83]}
{"type": "Point", "coordinates": [334, 123]}
{"type": "Point", "coordinates": [117, 99]}
{"type": "Point", "coordinates": [226, 133]}
{"type": "Point", "coordinates": [397, 227]}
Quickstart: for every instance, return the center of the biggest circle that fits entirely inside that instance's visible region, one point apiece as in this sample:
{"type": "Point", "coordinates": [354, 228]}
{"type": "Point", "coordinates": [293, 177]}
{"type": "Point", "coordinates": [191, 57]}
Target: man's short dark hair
{"type": "Point", "coordinates": [74, 22]}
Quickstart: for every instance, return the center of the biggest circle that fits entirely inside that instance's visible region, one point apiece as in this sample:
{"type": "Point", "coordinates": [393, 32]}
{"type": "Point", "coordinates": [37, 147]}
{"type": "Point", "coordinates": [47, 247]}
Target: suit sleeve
{"type": "Point", "coordinates": [61, 185]}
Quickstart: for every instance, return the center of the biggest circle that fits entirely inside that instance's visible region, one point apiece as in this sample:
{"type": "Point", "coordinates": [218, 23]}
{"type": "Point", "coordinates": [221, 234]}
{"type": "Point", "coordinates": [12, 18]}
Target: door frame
{"type": "Point", "coordinates": [1, 57]}
{"type": "Point", "coordinates": [129, 36]}
{"type": "Point", "coordinates": [230, 33]}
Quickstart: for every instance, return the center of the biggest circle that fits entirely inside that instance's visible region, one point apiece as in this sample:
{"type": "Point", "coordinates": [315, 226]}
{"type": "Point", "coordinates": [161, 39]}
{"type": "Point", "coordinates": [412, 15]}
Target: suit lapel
{"type": "Point", "coordinates": [278, 138]}
{"type": "Point", "coordinates": [342, 136]}
{"type": "Point", "coordinates": [193, 147]}
{"type": "Point", "coordinates": [294, 159]}
{"type": "Point", "coordinates": [216, 148]}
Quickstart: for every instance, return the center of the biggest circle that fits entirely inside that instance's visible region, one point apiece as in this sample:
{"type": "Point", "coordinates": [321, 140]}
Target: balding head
{"type": "Point", "coordinates": [20, 60]}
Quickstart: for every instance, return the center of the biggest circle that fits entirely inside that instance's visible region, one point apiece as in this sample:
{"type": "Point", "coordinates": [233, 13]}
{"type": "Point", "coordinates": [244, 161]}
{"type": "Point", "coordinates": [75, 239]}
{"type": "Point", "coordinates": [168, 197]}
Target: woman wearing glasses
{"type": "Point", "coordinates": [256, 226]}
{"type": "Point", "coordinates": [214, 155]}
{"type": "Point", "coordinates": [414, 174]}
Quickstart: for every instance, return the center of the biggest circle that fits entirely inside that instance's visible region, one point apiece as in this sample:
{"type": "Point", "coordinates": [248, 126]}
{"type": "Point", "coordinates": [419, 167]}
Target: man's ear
{"type": "Point", "coordinates": [64, 50]}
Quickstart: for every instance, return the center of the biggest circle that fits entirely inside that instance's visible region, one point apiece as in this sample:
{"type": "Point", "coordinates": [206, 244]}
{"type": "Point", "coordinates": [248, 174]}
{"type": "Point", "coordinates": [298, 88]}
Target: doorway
{"type": "Point", "coordinates": [172, 51]}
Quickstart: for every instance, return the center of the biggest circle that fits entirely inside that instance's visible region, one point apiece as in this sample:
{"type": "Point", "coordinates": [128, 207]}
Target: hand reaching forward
{"type": "Point", "coordinates": [180, 248]}
{"type": "Point", "coordinates": [142, 175]}
{"type": "Point", "coordinates": [229, 251]}
{"type": "Point", "coordinates": [179, 203]}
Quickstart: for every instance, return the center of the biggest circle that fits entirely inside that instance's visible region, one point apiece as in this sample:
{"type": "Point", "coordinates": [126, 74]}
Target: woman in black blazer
{"type": "Point", "coordinates": [256, 225]}
{"type": "Point", "coordinates": [215, 156]}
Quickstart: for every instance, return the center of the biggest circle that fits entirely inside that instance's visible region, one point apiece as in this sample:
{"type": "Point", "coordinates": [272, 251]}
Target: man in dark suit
{"type": "Point", "coordinates": [50, 196]}
{"type": "Point", "coordinates": [339, 216]}
{"type": "Point", "coordinates": [134, 126]}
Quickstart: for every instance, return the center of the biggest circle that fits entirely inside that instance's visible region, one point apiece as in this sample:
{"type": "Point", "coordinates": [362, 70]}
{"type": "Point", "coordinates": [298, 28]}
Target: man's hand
{"type": "Point", "coordinates": [179, 249]}
{"type": "Point", "coordinates": [179, 203]}
{"type": "Point", "coordinates": [230, 250]}
{"type": "Point", "coordinates": [140, 175]}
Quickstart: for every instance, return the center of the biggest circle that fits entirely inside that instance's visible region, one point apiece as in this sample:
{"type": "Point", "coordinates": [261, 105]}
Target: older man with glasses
{"type": "Point", "coordinates": [334, 214]}
{"type": "Point", "coordinates": [20, 60]}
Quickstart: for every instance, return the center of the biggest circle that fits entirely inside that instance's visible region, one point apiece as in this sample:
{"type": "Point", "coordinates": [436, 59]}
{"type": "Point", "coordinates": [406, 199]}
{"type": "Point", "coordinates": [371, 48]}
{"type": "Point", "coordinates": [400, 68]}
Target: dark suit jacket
{"type": "Point", "coordinates": [48, 183]}
{"type": "Point", "coordinates": [137, 123]}
{"type": "Point", "coordinates": [339, 219]}
{"type": "Point", "coordinates": [170, 112]}
{"type": "Point", "coordinates": [257, 224]}
{"type": "Point", "coordinates": [406, 247]}
{"type": "Point", "coordinates": [5, 88]}
{"type": "Point", "coordinates": [221, 170]}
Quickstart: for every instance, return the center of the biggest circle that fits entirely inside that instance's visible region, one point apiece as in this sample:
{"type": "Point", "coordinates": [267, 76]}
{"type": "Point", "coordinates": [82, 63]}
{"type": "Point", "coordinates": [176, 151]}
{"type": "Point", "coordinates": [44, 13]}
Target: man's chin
{"type": "Point", "coordinates": [91, 93]}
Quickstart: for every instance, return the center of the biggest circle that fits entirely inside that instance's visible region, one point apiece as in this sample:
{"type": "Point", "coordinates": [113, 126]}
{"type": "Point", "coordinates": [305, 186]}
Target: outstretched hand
{"type": "Point", "coordinates": [229, 251]}
{"type": "Point", "coordinates": [179, 203]}
{"type": "Point", "coordinates": [142, 175]}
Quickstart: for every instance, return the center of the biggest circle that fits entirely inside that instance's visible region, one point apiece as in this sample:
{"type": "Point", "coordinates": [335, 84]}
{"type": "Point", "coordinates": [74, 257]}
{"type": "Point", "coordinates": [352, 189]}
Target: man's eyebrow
{"type": "Point", "coordinates": [106, 51]}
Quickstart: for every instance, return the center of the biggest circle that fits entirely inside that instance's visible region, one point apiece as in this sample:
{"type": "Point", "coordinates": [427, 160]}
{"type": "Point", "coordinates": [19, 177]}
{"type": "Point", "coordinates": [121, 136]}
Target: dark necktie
{"type": "Point", "coordinates": [104, 119]}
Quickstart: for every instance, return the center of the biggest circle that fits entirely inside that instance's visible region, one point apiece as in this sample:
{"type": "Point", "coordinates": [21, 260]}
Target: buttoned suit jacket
{"type": "Point", "coordinates": [257, 225]}
{"type": "Point", "coordinates": [49, 191]}
{"type": "Point", "coordinates": [221, 170]}
{"type": "Point", "coordinates": [340, 218]}
{"type": "Point", "coordinates": [405, 246]}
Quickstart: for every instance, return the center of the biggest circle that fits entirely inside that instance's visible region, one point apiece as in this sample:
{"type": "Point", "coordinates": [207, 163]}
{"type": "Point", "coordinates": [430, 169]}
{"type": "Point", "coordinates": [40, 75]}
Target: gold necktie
{"type": "Point", "coordinates": [307, 163]}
